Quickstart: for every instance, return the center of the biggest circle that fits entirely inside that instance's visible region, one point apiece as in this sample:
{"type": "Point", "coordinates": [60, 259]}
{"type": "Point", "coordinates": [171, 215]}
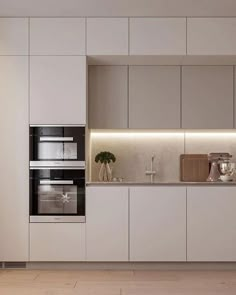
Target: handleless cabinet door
{"type": "Point", "coordinates": [211, 36]}
{"type": "Point", "coordinates": [14, 36]}
{"type": "Point", "coordinates": [58, 90]}
{"type": "Point", "coordinates": [158, 224]}
{"type": "Point", "coordinates": [14, 158]}
{"type": "Point", "coordinates": [57, 242]}
{"type": "Point", "coordinates": [154, 97]}
{"type": "Point", "coordinates": [108, 97]}
{"type": "Point", "coordinates": [57, 36]}
{"type": "Point", "coordinates": [211, 224]}
{"type": "Point", "coordinates": [157, 36]}
{"type": "Point", "coordinates": [207, 97]}
{"type": "Point", "coordinates": [107, 223]}
{"type": "Point", "coordinates": [107, 36]}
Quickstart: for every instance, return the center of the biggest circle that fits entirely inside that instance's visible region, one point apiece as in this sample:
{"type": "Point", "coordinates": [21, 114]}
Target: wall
{"type": "Point", "coordinates": [133, 150]}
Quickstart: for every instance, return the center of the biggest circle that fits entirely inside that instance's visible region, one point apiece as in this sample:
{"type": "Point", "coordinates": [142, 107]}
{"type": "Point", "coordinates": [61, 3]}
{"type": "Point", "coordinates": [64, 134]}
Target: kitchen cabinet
{"type": "Point", "coordinates": [107, 36]}
{"type": "Point", "coordinates": [14, 158]}
{"type": "Point", "coordinates": [158, 223]}
{"type": "Point", "coordinates": [207, 97]}
{"type": "Point", "coordinates": [158, 36]}
{"type": "Point", "coordinates": [107, 223]}
{"type": "Point", "coordinates": [211, 36]}
{"type": "Point", "coordinates": [211, 224]}
{"type": "Point", "coordinates": [108, 97]}
{"type": "Point", "coordinates": [13, 36]}
{"type": "Point", "coordinates": [57, 36]}
{"type": "Point", "coordinates": [58, 90]}
{"type": "Point", "coordinates": [154, 97]}
{"type": "Point", "coordinates": [57, 242]}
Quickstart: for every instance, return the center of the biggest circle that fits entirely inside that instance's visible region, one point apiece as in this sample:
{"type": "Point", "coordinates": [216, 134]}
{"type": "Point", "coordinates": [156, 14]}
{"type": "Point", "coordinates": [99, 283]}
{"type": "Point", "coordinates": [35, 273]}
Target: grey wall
{"type": "Point", "coordinates": [117, 8]}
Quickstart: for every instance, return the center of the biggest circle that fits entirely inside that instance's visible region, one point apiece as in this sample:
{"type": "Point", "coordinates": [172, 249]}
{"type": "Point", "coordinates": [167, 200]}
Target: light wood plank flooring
{"type": "Point", "coordinates": [61, 282]}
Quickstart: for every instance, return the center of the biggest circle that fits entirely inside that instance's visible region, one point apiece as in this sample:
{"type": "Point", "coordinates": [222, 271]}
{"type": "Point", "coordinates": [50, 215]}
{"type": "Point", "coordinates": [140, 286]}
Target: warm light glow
{"type": "Point", "coordinates": [162, 134]}
{"type": "Point", "coordinates": [136, 134]}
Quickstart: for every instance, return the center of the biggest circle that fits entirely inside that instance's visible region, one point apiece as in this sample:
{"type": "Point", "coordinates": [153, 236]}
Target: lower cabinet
{"type": "Point", "coordinates": [57, 242]}
{"type": "Point", "coordinates": [211, 229]}
{"type": "Point", "coordinates": [158, 224]}
{"type": "Point", "coordinates": [107, 223]}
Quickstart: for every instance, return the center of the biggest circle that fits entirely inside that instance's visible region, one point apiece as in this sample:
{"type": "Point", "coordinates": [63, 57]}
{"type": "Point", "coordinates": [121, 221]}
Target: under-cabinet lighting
{"type": "Point", "coordinates": [162, 134]}
{"type": "Point", "coordinates": [136, 134]}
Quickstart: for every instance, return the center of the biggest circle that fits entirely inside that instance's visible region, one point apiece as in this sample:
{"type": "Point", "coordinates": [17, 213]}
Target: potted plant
{"type": "Point", "coordinates": [105, 158]}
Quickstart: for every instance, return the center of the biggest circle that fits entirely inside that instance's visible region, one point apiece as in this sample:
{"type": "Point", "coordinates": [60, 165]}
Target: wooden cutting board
{"type": "Point", "coordinates": [194, 167]}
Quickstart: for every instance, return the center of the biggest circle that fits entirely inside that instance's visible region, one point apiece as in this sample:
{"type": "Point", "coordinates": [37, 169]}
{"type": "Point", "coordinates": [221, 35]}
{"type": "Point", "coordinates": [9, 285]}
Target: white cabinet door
{"type": "Point", "coordinates": [57, 36]}
{"type": "Point", "coordinates": [154, 97]}
{"type": "Point", "coordinates": [107, 223]}
{"type": "Point", "coordinates": [158, 36]}
{"type": "Point", "coordinates": [57, 242]}
{"type": "Point", "coordinates": [211, 36]}
{"type": "Point", "coordinates": [211, 224]}
{"type": "Point", "coordinates": [107, 36]}
{"type": "Point", "coordinates": [108, 97]}
{"type": "Point", "coordinates": [158, 224]}
{"type": "Point", "coordinates": [14, 158]}
{"type": "Point", "coordinates": [14, 36]}
{"type": "Point", "coordinates": [58, 90]}
{"type": "Point", "coordinates": [207, 97]}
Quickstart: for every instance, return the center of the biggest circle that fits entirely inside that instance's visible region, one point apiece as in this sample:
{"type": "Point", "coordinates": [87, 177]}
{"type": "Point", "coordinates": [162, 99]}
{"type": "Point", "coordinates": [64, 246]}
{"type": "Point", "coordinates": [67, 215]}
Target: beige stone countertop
{"type": "Point", "coordinates": [131, 183]}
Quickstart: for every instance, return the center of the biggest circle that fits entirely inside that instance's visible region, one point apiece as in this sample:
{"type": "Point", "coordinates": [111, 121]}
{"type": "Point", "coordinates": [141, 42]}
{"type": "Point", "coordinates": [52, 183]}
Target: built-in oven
{"type": "Point", "coordinates": [57, 194]}
{"type": "Point", "coordinates": [57, 146]}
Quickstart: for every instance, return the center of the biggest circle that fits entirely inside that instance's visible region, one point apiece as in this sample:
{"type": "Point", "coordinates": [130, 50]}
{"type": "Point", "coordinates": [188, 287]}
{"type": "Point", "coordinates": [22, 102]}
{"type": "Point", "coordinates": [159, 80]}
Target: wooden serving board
{"type": "Point", "coordinates": [194, 167]}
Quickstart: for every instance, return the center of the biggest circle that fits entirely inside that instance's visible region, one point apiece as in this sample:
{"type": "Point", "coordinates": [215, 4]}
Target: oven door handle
{"type": "Point", "coordinates": [56, 182]}
{"type": "Point", "coordinates": [54, 138]}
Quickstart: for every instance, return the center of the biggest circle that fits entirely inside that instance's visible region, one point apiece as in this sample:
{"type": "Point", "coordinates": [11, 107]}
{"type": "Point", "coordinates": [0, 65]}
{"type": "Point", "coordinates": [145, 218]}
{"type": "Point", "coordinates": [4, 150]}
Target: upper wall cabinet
{"type": "Point", "coordinates": [108, 97]}
{"type": "Point", "coordinates": [57, 36]}
{"type": "Point", "coordinates": [13, 36]}
{"type": "Point", "coordinates": [154, 97]}
{"type": "Point", "coordinates": [211, 36]}
{"type": "Point", "coordinates": [58, 90]}
{"type": "Point", "coordinates": [207, 97]}
{"type": "Point", "coordinates": [157, 36]}
{"type": "Point", "coordinates": [107, 36]}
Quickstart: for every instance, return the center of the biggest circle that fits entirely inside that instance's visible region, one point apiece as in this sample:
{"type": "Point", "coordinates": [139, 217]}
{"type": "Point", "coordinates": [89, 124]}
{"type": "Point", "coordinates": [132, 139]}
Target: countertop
{"type": "Point", "coordinates": [131, 183]}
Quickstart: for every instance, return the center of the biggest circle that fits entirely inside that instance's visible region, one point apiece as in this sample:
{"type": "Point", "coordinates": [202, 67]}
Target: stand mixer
{"type": "Point", "coordinates": [217, 159]}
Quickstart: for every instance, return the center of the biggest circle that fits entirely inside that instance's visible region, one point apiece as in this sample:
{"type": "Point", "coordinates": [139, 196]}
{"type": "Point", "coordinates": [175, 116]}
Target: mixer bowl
{"type": "Point", "coordinates": [227, 169]}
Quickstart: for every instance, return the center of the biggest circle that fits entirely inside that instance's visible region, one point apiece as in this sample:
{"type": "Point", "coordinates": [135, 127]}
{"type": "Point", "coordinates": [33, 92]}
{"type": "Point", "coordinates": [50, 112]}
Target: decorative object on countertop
{"type": "Point", "coordinates": [105, 173]}
{"type": "Point", "coordinates": [216, 159]}
{"type": "Point", "coordinates": [194, 167]}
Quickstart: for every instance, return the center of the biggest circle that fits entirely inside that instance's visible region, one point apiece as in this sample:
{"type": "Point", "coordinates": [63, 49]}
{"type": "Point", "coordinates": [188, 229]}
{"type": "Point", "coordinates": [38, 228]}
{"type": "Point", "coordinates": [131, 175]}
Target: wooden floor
{"type": "Point", "coordinates": [42, 282]}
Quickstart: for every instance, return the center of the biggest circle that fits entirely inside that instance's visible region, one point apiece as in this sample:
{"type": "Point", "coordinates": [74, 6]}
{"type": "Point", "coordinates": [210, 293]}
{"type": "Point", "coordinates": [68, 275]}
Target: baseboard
{"type": "Point", "coordinates": [132, 265]}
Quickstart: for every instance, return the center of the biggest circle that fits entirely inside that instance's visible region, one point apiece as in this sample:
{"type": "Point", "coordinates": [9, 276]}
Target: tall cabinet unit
{"type": "Point", "coordinates": [14, 171]}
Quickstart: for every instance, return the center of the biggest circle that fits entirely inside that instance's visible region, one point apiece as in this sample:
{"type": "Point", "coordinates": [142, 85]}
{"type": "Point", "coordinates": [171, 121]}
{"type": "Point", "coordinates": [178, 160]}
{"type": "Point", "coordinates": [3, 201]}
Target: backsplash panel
{"type": "Point", "coordinates": [133, 151]}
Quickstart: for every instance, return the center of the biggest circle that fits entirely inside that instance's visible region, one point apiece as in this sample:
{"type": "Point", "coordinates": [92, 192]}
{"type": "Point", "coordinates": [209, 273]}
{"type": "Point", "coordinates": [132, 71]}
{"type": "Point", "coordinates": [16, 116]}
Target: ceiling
{"type": "Point", "coordinates": [105, 8]}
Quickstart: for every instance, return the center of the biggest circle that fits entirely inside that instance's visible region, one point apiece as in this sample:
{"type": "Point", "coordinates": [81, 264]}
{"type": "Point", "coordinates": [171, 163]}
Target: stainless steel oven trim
{"type": "Point", "coordinates": [54, 125]}
{"type": "Point", "coordinates": [57, 164]}
{"type": "Point", "coordinates": [56, 182]}
{"type": "Point", "coordinates": [57, 219]}
{"type": "Point", "coordinates": [55, 138]}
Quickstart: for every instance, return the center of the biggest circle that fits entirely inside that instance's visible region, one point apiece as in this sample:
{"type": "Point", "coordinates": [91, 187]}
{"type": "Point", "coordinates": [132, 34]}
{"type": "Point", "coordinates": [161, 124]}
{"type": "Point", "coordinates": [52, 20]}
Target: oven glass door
{"type": "Point", "coordinates": [57, 192]}
{"type": "Point", "coordinates": [48, 144]}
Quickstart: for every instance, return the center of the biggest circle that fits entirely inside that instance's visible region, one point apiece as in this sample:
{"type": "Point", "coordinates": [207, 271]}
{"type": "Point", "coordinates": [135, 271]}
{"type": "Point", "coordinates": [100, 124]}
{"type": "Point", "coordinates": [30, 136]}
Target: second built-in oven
{"type": "Point", "coordinates": [57, 195]}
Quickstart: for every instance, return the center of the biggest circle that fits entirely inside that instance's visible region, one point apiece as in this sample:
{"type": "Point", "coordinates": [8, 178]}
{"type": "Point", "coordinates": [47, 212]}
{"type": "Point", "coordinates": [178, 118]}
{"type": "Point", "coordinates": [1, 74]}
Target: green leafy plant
{"type": "Point", "coordinates": [105, 157]}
